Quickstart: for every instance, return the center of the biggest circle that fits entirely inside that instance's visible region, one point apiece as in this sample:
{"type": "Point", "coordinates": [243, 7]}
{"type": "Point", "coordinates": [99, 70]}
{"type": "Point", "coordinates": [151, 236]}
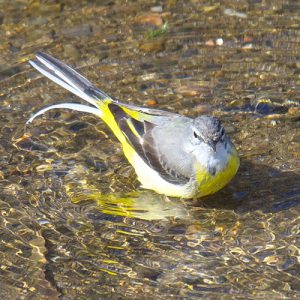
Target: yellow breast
{"type": "Point", "coordinates": [209, 184]}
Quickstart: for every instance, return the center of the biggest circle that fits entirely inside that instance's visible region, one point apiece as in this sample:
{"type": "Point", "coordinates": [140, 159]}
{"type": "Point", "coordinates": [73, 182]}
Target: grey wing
{"type": "Point", "coordinates": [141, 136]}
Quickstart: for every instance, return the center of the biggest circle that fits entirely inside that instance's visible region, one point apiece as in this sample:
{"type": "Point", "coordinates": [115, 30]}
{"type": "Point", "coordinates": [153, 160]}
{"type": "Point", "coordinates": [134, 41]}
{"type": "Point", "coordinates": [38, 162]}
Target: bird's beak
{"type": "Point", "coordinates": [213, 145]}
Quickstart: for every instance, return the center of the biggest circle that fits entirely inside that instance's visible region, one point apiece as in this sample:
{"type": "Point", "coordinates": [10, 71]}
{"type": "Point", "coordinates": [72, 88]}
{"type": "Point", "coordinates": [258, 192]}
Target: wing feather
{"type": "Point", "coordinates": [139, 135]}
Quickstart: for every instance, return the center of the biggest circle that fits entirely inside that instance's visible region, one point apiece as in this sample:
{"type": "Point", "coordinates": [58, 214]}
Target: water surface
{"type": "Point", "coordinates": [75, 224]}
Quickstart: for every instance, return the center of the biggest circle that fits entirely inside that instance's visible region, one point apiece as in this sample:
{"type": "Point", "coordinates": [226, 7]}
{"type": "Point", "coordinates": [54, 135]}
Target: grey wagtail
{"type": "Point", "coordinates": [171, 154]}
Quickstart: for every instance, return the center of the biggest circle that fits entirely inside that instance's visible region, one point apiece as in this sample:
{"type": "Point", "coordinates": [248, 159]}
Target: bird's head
{"type": "Point", "coordinates": [207, 129]}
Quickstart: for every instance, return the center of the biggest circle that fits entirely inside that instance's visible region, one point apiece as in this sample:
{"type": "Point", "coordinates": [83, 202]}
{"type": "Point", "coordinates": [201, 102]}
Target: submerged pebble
{"type": "Point", "coordinates": [26, 143]}
{"type": "Point", "coordinates": [234, 13]}
{"type": "Point", "coordinates": [150, 19]}
{"type": "Point", "coordinates": [151, 102]}
{"type": "Point", "coordinates": [267, 107]}
{"type": "Point", "coordinates": [157, 9]}
{"type": "Point", "coordinates": [83, 30]}
{"type": "Point", "coordinates": [71, 50]}
{"type": "Point", "coordinates": [153, 45]}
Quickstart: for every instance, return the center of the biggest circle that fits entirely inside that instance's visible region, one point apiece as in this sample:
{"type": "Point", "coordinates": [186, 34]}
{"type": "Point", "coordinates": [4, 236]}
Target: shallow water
{"type": "Point", "coordinates": [75, 224]}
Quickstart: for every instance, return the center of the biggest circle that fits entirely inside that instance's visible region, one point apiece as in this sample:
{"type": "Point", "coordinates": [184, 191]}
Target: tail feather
{"type": "Point", "coordinates": [71, 80]}
{"type": "Point", "coordinates": [74, 106]}
{"type": "Point", "coordinates": [68, 78]}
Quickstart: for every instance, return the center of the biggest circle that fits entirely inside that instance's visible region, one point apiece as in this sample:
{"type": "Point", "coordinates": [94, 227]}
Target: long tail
{"type": "Point", "coordinates": [69, 79]}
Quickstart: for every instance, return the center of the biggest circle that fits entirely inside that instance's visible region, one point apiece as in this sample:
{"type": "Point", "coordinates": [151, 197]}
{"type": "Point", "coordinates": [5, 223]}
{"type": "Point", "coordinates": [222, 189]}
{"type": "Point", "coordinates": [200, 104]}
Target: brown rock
{"type": "Point", "coordinates": [153, 46]}
{"type": "Point", "coordinates": [294, 111]}
{"type": "Point", "coordinates": [202, 109]}
{"type": "Point", "coordinates": [210, 43]}
{"type": "Point", "coordinates": [150, 19]}
{"type": "Point", "coordinates": [151, 102]}
{"type": "Point", "coordinates": [189, 90]}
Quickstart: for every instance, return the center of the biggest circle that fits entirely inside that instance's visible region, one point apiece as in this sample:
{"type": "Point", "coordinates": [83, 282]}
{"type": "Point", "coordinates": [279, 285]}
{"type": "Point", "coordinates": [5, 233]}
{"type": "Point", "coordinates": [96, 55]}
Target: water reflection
{"type": "Point", "coordinates": [256, 187]}
{"type": "Point", "coordinates": [144, 205]}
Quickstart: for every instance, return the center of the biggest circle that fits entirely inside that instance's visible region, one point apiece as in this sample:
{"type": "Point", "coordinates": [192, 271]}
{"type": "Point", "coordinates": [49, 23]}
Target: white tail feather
{"type": "Point", "coordinates": [74, 106]}
{"type": "Point", "coordinates": [63, 81]}
{"type": "Point", "coordinates": [60, 74]}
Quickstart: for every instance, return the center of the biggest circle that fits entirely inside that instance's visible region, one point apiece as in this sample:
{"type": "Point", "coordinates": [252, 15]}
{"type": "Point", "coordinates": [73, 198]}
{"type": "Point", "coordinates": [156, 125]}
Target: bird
{"type": "Point", "coordinates": [172, 154]}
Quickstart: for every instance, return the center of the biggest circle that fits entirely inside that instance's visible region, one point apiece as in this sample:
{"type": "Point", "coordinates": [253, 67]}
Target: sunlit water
{"type": "Point", "coordinates": [74, 222]}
